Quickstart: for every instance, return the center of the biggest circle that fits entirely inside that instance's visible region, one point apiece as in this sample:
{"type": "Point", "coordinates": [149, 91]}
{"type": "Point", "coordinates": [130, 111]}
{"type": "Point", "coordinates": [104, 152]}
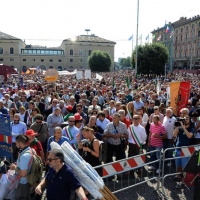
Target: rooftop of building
{"type": "Point", "coordinates": [182, 21]}
{"type": "Point", "coordinates": [5, 36]}
{"type": "Point", "coordinates": [90, 38]}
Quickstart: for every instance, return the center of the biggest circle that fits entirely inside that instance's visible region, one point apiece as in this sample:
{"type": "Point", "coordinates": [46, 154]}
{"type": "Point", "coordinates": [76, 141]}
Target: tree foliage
{"type": "Point", "coordinates": [151, 58]}
{"type": "Point", "coordinates": [125, 62]}
{"type": "Point", "coordinates": [99, 61]}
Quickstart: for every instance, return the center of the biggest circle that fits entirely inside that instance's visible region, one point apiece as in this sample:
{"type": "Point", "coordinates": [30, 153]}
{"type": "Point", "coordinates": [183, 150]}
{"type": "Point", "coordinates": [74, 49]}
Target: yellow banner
{"type": "Point", "coordinates": [174, 89]}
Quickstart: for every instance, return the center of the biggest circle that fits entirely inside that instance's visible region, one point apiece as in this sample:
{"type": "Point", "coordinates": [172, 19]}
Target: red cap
{"type": "Point", "coordinates": [69, 108]}
{"type": "Point", "coordinates": [30, 132]}
{"type": "Point", "coordinates": [77, 117]}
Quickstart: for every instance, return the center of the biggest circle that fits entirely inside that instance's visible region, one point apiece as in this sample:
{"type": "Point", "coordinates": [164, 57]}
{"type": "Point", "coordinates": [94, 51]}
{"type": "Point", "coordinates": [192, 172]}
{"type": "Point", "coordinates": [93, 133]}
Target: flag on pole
{"type": "Point", "coordinates": [167, 29]}
{"type": "Point", "coordinates": [130, 38]}
{"type": "Point", "coordinates": [147, 37]}
{"type": "Point", "coordinates": [171, 34]}
{"type": "Point", "coordinates": [128, 82]}
{"type": "Point", "coordinates": [113, 82]}
{"type": "Point", "coordinates": [159, 37]}
{"type": "Point", "coordinates": [140, 37]}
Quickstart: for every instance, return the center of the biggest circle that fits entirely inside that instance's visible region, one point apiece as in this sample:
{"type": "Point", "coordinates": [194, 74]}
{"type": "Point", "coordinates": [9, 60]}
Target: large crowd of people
{"type": "Point", "coordinates": [105, 119]}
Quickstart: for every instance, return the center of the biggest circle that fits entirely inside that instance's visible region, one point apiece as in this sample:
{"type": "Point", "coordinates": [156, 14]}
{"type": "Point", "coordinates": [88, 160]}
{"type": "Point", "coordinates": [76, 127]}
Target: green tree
{"type": "Point", "coordinates": [125, 62]}
{"type": "Point", "coordinates": [99, 61]}
{"type": "Point", "coordinates": [151, 58]}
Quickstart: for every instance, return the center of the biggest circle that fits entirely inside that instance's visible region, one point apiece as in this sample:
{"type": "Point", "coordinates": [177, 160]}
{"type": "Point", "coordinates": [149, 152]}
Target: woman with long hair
{"type": "Point", "coordinates": [11, 114]}
{"type": "Point", "coordinates": [130, 110]}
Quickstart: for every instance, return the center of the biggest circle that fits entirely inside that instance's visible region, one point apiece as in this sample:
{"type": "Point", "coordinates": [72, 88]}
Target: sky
{"type": "Point", "coordinates": [48, 22]}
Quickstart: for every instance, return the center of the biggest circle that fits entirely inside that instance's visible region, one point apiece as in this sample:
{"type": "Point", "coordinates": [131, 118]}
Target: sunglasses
{"type": "Point", "coordinates": [71, 121]}
{"type": "Point", "coordinates": [54, 102]}
{"type": "Point", "coordinates": [135, 118]}
{"type": "Point", "coordinates": [51, 159]}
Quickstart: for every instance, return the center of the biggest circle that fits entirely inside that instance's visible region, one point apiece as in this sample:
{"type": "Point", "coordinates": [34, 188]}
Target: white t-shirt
{"type": "Point", "coordinates": [168, 123]}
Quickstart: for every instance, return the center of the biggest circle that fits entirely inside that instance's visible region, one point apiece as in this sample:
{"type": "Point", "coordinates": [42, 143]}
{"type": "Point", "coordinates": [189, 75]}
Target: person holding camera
{"type": "Point", "coordinates": [89, 148]}
{"type": "Point", "coordinates": [183, 133]}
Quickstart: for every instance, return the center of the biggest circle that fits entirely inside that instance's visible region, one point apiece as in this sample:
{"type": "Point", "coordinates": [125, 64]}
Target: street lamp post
{"type": "Point", "coordinates": [86, 54]}
{"type": "Point", "coordinates": [136, 49]}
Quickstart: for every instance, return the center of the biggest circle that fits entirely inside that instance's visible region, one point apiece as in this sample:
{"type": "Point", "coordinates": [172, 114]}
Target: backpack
{"type": "Point", "coordinates": [36, 170]}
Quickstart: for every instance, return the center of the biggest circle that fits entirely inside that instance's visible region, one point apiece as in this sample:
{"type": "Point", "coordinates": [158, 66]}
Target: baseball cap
{"type": "Point", "coordinates": [30, 132]}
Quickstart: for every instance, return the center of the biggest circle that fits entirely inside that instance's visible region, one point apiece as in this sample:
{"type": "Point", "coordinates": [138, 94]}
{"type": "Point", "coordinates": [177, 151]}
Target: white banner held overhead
{"type": "Point", "coordinates": [67, 72]}
{"type": "Point", "coordinates": [79, 75]}
{"type": "Point", "coordinates": [99, 77]}
{"type": "Point", "coordinates": [87, 74]}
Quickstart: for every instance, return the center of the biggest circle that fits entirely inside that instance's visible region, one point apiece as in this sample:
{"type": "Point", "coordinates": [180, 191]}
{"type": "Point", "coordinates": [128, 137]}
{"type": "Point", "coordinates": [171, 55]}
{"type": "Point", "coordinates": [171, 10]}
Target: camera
{"type": "Point", "coordinates": [85, 143]}
{"type": "Point", "coordinates": [178, 120]}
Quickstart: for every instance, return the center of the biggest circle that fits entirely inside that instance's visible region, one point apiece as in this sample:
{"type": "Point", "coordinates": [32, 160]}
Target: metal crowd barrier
{"type": "Point", "coordinates": [186, 151]}
{"type": "Point", "coordinates": [117, 175]}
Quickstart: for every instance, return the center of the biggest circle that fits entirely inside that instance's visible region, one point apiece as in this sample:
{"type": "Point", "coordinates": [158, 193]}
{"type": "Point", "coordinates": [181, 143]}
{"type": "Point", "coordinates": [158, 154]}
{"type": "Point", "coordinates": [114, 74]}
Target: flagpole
{"type": "Point", "coordinates": [136, 49]}
{"type": "Point", "coordinates": [132, 45]}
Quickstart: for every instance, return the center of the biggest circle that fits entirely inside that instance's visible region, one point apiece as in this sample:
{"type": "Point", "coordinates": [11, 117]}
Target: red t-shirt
{"type": "Point", "coordinates": [127, 122]}
{"type": "Point", "coordinates": [109, 118]}
{"type": "Point", "coordinates": [37, 146]}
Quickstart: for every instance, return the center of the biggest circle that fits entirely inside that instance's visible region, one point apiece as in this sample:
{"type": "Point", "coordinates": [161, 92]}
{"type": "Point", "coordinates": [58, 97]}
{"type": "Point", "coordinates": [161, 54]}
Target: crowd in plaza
{"type": "Point", "coordinates": [114, 117]}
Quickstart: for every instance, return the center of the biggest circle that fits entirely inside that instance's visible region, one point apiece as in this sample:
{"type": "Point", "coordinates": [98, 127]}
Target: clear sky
{"type": "Point", "coordinates": [114, 20]}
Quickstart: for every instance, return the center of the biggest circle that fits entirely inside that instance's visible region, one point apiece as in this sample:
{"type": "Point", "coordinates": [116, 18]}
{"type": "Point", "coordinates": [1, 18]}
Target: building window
{"type": "Point", "coordinates": [176, 31]}
{"type": "Point", "coordinates": [185, 54]}
{"type": "Point", "coordinates": [81, 67]}
{"type": "Point", "coordinates": [11, 59]}
{"type": "Point", "coordinates": [33, 60]}
{"type": "Point", "coordinates": [11, 50]}
{"type": "Point", "coordinates": [59, 60]}
{"type": "Point", "coordinates": [71, 52]}
{"type": "Point", "coordinates": [199, 24]}
{"type": "Point", "coordinates": [186, 37]}
{"type": "Point", "coordinates": [80, 60]}
{"type": "Point", "coordinates": [42, 60]}
{"type": "Point", "coordinates": [51, 67]}
{"type": "Point", "coordinates": [51, 60]}
{"type": "Point", "coordinates": [1, 59]}
{"type": "Point", "coordinates": [24, 60]}
{"type": "Point", "coordinates": [180, 47]}
{"type": "Point", "coordinates": [71, 60]}
{"type": "Point", "coordinates": [71, 67]}
{"type": "Point", "coordinates": [197, 53]}
{"type": "Point", "coordinates": [198, 34]}
{"type": "Point", "coordinates": [181, 37]}
{"type": "Point", "coordinates": [80, 52]}
{"type": "Point", "coordinates": [59, 68]}
{"type": "Point", "coordinates": [90, 51]}
{"type": "Point", "coordinates": [186, 28]}
{"type": "Point", "coordinates": [175, 55]}
{"type": "Point", "coordinates": [192, 26]}
{"type": "Point", "coordinates": [181, 30]}
{"type": "Point", "coordinates": [1, 50]}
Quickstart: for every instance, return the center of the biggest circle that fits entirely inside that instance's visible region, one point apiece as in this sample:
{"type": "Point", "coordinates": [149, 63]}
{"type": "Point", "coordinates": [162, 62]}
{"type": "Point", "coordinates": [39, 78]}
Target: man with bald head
{"type": "Point", "coordinates": [71, 131]}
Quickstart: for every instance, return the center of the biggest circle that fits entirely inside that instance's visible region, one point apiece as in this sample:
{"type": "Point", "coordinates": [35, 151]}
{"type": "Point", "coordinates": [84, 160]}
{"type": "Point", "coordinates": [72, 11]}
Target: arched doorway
{"type": "Point", "coordinates": [24, 69]}
{"type": "Point", "coordinates": [43, 67]}
{"type": "Point", "coordinates": [59, 68]}
{"type": "Point", "coordinates": [196, 65]}
{"type": "Point", "coordinates": [51, 67]}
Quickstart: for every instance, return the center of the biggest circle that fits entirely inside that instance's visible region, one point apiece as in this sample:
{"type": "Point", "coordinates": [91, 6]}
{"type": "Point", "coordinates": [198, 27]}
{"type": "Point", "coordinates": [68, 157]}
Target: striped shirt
{"type": "Point", "coordinates": [158, 130]}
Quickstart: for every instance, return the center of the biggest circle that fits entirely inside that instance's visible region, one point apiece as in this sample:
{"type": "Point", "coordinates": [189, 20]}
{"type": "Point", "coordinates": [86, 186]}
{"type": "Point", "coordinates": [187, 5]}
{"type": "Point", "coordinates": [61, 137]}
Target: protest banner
{"type": "Point", "coordinates": [5, 137]}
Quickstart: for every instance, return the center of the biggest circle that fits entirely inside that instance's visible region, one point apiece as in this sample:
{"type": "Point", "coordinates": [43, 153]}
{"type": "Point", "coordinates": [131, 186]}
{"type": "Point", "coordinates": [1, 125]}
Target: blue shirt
{"type": "Point", "coordinates": [23, 163]}
{"type": "Point", "coordinates": [4, 111]}
{"type": "Point", "coordinates": [17, 129]}
{"type": "Point", "coordinates": [138, 105]}
{"type": "Point", "coordinates": [74, 131]}
{"type": "Point", "coordinates": [52, 139]}
{"type": "Point", "coordinates": [60, 184]}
